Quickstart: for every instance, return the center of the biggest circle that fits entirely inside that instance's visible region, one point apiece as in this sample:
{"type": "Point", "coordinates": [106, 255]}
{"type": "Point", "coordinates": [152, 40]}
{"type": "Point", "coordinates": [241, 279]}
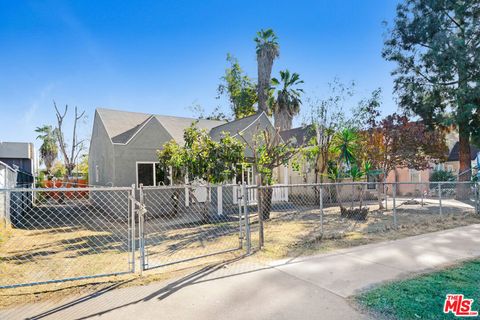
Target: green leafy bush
{"type": "Point", "coordinates": [440, 176]}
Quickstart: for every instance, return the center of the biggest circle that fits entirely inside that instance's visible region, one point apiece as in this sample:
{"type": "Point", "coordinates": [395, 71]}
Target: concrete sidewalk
{"type": "Point", "coordinates": [303, 288]}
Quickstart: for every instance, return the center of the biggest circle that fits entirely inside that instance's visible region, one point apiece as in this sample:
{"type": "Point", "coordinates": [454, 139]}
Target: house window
{"type": "Point", "coordinates": [152, 174]}
{"type": "Point", "coordinates": [371, 182]}
{"type": "Point", "coordinates": [414, 175]}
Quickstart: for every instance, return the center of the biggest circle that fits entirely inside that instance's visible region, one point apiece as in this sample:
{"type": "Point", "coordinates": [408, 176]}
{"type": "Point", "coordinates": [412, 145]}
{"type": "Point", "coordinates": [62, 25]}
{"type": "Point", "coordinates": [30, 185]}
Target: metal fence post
{"type": "Point", "coordinates": [475, 195]}
{"type": "Point", "coordinates": [440, 197]}
{"type": "Point", "coordinates": [8, 220]}
{"type": "Point", "coordinates": [422, 191]}
{"type": "Point", "coordinates": [141, 234]}
{"type": "Point", "coordinates": [260, 205]}
{"type": "Point", "coordinates": [239, 195]}
{"type": "Point", "coordinates": [247, 218]}
{"type": "Point", "coordinates": [320, 195]}
{"type": "Point", "coordinates": [394, 191]}
{"type": "Point", "coordinates": [132, 226]}
{"type": "Point", "coordinates": [385, 188]}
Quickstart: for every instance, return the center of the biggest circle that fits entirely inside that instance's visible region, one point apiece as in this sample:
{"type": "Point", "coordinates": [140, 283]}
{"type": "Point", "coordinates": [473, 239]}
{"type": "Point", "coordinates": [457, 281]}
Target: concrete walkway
{"type": "Point", "coordinates": [305, 288]}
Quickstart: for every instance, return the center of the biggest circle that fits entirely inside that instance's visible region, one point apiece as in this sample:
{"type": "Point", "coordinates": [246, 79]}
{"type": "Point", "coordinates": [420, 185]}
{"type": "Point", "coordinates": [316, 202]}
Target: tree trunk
{"type": "Point", "coordinates": [264, 72]}
{"type": "Point", "coordinates": [282, 119]}
{"type": "Point", "coordinates": [266, 202]}
{"type": "Point", "coordinates": [338, 195]}
{"type": "Point", "coordinates": [465, 173]}
{"type": "Point", "coordinates": [380, 185]}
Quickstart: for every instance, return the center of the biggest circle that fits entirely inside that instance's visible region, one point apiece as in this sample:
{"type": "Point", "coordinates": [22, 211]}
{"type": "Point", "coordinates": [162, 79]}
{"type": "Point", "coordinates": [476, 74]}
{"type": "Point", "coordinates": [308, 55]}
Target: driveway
{"type": "Point", "coordinates": [315, 287]}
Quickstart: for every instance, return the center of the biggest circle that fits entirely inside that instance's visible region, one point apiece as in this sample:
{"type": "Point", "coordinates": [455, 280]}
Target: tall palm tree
{"type": "Point", "coordinates": [267, 51]}
{"type": "Point", "coordinates": [288, 99]}
{"type": "Point", "coordinates": [49, 148]}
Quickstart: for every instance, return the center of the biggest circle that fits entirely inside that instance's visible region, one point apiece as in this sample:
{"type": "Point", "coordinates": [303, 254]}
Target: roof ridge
{"type": "Point", "coordinates": [258, 114]}
{"type": "Point", "coordinates": [133, 131]}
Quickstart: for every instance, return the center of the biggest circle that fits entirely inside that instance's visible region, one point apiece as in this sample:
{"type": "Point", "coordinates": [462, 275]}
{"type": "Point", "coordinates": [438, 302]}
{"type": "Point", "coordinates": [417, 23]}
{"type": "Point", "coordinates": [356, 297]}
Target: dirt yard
{"type": "Point", "coordinates": [33, 255]}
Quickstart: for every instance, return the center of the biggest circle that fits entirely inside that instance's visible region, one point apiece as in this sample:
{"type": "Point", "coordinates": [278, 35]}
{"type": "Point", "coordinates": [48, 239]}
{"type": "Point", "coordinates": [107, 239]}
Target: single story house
{"type": "Point", "coordinates": [123, 147]}
{"type": "Point", "coordinates": [20, 156]}
{"type": "Point", "coordinates": [409, 177]}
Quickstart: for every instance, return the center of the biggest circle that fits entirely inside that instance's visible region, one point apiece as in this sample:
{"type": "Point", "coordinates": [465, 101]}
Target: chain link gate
{"type": "Point", "coordinates": [185, 223]}
{"type": "Point", "coordinates": [64, 234]}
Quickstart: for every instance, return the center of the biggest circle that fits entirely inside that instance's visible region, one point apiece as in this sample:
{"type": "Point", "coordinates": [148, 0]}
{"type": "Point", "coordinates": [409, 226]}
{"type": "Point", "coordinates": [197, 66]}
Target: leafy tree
{"type": "Point", "coordinates": [346, 144]}
{"type": "Point", "coordinates": [267, 52]}
{"type": "Point", "coordinates": [435, 45]}
{"type": "Point", "coordinates": [49, 148]}
{"type": "Point", "coordinates": [397, 142]}
{"type": "Point", "coordinates": [324, 117]}
{"type": "Point", "coordinates": [241, 90]}
{"type": "Point", "coordinates": [288, 99]}
{"type": "Point", "coordinates": [58, 169]}
{"type": "Point", "coordinates": [199, 112]}
{"type": "Point", "coordinates": [269, 152]}
{"type": "Point", "coordinates": [201, 157]}
{"type": "Point", "coordinates": [82, 166]}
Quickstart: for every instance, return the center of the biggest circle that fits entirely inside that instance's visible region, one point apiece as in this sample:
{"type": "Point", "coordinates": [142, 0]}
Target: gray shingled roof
{"type": "Point", "coordinates": [234, 127]}
{"type": "Point", "coordinates": [127, 135]}
{"type": "Point", "coordinates": [121, 126]}
{"type": "Point", "coordinates": [176, 125]}
{"type": "Point", "coordinates": [118, 123]}
{"type": "Point", "coordinates": [298, 136]}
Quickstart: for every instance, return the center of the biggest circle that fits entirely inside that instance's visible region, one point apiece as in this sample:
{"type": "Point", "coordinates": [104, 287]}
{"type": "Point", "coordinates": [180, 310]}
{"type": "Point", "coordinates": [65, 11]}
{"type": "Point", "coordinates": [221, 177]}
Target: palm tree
{"type": "Point", "coordinates": [288, 99]}
{"type": "Point", "coordinates": [345, 143]}
{"type": "Point", "coordinates": [49, 148]}
{"type": "Point", "coordinates": [267, 51]}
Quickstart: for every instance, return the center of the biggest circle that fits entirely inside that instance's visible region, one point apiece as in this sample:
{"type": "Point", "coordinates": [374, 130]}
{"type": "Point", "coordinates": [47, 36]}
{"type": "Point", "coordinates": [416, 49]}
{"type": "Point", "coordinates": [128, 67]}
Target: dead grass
{"type": "Point", "coordinates": [298, 233]}
{"type": "Point", "coordinates": [29, 255]}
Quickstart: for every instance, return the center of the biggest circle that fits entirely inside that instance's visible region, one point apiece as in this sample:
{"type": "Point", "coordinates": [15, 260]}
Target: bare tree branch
{"type": "Point", "coordinates": [76, 146]}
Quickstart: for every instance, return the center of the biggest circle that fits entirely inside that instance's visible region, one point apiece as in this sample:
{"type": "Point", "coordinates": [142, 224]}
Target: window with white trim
{"type": "Point", "coordinates": [152, 174]}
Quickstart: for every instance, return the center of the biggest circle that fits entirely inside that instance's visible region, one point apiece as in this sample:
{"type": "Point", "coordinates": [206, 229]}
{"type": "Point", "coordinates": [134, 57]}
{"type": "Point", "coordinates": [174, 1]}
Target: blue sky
{"type": "Point", "coordinates": [162, 57]}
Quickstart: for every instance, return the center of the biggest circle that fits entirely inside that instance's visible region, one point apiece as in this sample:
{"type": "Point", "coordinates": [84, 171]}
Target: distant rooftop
{"type": "Point", "coordinates": [298, 136]}
{"type": "Point", "coordinates": [16, 150]}
{"type": "Point", "coordinates": [454, 153]}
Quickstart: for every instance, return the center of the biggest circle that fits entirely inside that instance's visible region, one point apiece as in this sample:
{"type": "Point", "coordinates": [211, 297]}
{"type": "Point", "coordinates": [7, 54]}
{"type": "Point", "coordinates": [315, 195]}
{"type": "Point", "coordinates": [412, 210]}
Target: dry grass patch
{"type": "Point", "coordinates": [29, 255]}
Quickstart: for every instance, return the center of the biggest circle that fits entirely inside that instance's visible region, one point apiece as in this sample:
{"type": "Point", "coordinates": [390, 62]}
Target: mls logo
{"type": "Point", "coordinates": [459, 306]}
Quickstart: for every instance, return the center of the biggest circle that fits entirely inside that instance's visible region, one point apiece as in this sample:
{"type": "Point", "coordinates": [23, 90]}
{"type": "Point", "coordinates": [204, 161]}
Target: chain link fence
{"type": "Point", "coordinates": [53, 235]}
{"type": "Point", "coordinates": [189, 222]}
{"type": "Point", "coordinates": [333, 211]}
{"type": "Point", "coordinates": [59, 234]}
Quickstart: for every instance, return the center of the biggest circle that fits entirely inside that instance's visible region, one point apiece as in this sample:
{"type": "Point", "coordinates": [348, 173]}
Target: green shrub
{"type": "Point", "coordinates": [440, 176]}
